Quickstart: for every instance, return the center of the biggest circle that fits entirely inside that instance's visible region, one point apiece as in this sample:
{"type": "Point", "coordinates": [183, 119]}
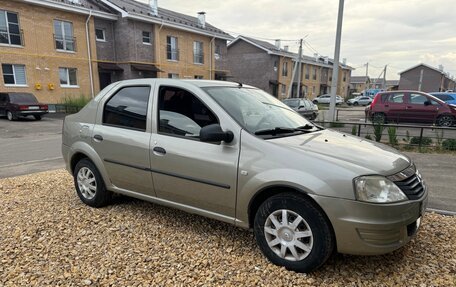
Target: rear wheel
{"type": "Point", "coordinates": [445, 120]}
{"type": "Point", "coordinates": [11, 116]}
{"type": "Point", "coordinates": [379, 118]}
{"type": "Point", "coordinates": [293, 233]}
{"type": "Point", "coordinates": [89, 184]}
{"type": "Point", "coordinates": [315, 102]}
{"type": "Point", "coordinates": [37, 117]}
{"type": "Point", "coordinates": [355, 103]}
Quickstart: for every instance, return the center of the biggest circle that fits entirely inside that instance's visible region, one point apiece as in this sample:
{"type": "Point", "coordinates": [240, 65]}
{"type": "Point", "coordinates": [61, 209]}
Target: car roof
{"type": "Point", "coordinates": [197, 83]}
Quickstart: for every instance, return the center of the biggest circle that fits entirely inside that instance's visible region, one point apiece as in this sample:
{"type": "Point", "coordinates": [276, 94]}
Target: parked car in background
{"type": "Point", "coordinates": [15, 105]}
{"type": "Point", "coordinates": [304, 107]}
{"type": "Point", "coordinates": [326, 98]}
{"type": "Point", "coordinates": [447, 97]}
{"type": "Point", "coordinates": [411, 107]}
{"type": "Point", "coordinates": [234, 153]}
{"type": "Point", "coordinates": [360, 101]}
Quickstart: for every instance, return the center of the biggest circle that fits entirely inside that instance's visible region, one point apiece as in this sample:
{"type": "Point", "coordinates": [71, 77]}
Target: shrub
{"type": "Point", "coordinates": [449, 144]}
{"type": "Point", "coordinates": [368, 137]}
{"type": "Point", "coordinates": [424, 141]}
{"type": "Point", "coordinates": [392, 135]}
{"type": "Point", "coordinates": [354, 130]}
{"type": "Point", "coordinates": [378, 131]}
{"type": "Point", "coordinates": [336, 125]}
{"type": "Point", "coordinates": [75, 104]}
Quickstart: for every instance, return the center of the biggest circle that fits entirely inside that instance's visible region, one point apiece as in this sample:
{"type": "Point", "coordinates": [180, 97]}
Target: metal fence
{"type": "Point", "coordinates": [399, 135]}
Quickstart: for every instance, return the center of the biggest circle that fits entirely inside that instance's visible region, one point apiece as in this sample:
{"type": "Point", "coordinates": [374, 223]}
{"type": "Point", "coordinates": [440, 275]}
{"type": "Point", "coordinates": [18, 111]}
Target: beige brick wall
{"type": "Point", "coordinates": [185, 67]}
{"type": "Point", "coordinates": [40, 57]}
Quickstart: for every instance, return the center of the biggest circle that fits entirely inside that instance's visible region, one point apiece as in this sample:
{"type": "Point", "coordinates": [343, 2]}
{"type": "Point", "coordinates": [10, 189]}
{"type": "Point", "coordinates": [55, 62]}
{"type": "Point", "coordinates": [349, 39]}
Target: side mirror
{"type": "Point", "coordinates": [427, 103]}
{"type": "Point", "coordinates": [214, 133]}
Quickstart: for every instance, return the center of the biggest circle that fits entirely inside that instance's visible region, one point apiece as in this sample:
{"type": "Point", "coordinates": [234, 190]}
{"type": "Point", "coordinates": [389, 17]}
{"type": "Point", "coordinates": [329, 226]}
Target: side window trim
{"type": "Point", "coordinates": [114, 92]}
{"type": "Point", "coordinates": [156, 120]}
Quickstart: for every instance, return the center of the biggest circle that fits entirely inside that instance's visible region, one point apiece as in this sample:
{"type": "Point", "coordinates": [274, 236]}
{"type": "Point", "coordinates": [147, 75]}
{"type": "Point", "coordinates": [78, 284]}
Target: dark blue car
{"type": "Point", "coordinates": [449, 98]}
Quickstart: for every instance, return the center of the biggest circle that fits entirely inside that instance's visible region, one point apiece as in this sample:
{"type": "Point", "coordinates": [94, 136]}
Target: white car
{"type": "Point", "coordinates": [360, 100]}
{"type": "Point", "coordinates": [326, 98]}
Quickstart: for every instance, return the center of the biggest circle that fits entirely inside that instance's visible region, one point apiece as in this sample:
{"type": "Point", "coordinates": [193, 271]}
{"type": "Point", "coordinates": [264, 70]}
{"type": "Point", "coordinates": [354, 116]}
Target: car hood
{"type": "Point", "coordinates": [347, 150]}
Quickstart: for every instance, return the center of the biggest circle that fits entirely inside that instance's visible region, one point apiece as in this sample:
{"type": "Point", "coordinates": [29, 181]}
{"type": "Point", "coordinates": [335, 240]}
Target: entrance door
{"type": "Point", "coordinates": [105, 79]}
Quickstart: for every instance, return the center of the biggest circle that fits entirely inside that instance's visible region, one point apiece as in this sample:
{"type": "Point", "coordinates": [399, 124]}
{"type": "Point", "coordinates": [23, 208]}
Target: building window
{"type": "Point", "coordinates": [199, 77]}
{"type": "Point", "coordinates": [146, 38]}
{"type": "Point", "coordinates": [307, 72]}
{"type": "Point", "coordinates": [173, 76]}
{"type": "Point", "coordinates": [172, 50]}
{"type": "Point", "coordinates": [198, 54]}
{"type": "Point", "coordinates": [100, 35]}
{"type": "Point", "coordinates": [63, 36]}
{"type": "Point", "coordinates": [14, 75]}
{"type": "Point", "coordinates": [10, 33]}
{"type": "Point", "coordinates": [313, 90]}
{"type": "Point", "coordinates": [285, 69]}
{"type": "Point", "coordinates": [345, 77]}
{"type": "Point", "coordinates": [68, 77]}
{"type": "Point", "coordinates": [284, 90]}
{"type": "Point", "coordinates": [218, 50]}
{"type": "Point", "coordinates": [314, 76]}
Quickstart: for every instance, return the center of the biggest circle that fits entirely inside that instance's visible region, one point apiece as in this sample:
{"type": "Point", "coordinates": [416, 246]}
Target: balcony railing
{"type": "Point", "coordinates": [65, 43]}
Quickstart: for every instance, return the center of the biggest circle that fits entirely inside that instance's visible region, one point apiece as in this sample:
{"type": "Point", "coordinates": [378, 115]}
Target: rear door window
{"type": "Point", "coordinates": [396, 98]}
{"type": "Point", "coordinates": [128, 108]}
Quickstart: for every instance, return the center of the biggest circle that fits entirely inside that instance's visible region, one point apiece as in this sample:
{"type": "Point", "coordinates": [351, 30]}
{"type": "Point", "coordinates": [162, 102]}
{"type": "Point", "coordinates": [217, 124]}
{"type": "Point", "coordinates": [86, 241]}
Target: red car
{"type": "Point", "coordinates": [14, 105]}
{"type": "Point", "coordinates": [411, 107]}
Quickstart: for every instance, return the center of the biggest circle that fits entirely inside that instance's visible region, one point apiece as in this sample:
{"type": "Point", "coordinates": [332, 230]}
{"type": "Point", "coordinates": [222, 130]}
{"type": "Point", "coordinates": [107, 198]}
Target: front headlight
{"type": "Point", "coordinates": [377, 189]}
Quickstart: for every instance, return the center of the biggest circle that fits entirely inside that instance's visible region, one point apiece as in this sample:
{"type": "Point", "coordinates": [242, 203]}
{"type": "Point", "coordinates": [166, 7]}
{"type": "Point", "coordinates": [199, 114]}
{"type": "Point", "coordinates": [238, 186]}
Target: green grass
{"type": "Point", "coordinates": [75, 104]}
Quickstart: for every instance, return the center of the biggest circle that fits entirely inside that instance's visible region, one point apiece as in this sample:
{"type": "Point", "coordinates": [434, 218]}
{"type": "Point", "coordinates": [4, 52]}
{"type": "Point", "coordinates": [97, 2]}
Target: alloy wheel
{"type": "Point", "coordinates": [445, 121]}
{"type": "Point", "coordinates": [87, 183]}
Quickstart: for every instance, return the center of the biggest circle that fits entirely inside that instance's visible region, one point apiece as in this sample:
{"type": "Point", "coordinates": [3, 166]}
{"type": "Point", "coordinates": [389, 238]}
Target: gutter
{"type": "Point", "coordinates": [89, 54]}
{"type": "Point", "coordinates": [211, 43]}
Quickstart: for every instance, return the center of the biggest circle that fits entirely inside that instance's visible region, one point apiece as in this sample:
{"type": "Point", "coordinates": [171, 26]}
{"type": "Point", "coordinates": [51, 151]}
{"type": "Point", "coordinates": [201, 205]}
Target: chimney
{"type": "Point", "coordinates": [316, 57]}
{"type": "Point", "coordinates": [277, 43]}
{"type": "Point", "coordinates": [202, 19]}
{"type": "Point", "coordinates": [326, 59]}
{"type": "Point", "coordinates": [285, 48]}
{"type": "Point", "coordinates": [344, 61]}
{"type": "Point", "coordinates": [441, 68]}
{"type": "Point", "coordinates": [153, 4]}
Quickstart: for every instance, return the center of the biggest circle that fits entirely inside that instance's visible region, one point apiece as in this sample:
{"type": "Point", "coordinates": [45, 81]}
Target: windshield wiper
{"type": "Point", "coordinates": [282, 130]}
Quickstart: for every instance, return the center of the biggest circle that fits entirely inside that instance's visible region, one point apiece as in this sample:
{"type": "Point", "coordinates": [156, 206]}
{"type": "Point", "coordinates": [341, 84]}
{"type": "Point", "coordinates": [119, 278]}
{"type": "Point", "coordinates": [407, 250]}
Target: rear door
{"type": "Point", "coordinates": [121, 137]}
{"type": "Point", "coordinates": [394, 106]}
{"type": "Point", "coordinates": [187, 171]}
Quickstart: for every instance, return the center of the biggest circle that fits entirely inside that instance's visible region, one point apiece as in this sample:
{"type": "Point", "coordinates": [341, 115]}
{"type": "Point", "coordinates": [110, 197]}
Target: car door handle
{"type": "Point", "coordinates": [98, 138]}
{"type": "Point", "coordinates": [159, 150]}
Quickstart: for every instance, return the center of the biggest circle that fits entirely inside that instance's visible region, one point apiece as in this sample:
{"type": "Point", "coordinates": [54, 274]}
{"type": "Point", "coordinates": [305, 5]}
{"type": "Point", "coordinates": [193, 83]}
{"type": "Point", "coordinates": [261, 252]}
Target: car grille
{"type": "Point", "coordinates": [410, 182]}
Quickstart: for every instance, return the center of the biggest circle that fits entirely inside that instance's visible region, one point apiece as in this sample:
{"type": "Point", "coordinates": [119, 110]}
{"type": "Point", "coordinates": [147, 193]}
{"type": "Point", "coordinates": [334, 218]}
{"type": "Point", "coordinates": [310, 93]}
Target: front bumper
{"type": "Point", "coordinates": [371, 229]}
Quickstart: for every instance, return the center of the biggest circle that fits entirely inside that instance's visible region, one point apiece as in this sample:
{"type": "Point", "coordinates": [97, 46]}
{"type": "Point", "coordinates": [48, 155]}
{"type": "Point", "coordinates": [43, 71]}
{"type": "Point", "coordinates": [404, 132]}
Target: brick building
{"type": "Point", "coordinates": [270, 68]}
{"type": "Point", "coordinates": [425, 78]}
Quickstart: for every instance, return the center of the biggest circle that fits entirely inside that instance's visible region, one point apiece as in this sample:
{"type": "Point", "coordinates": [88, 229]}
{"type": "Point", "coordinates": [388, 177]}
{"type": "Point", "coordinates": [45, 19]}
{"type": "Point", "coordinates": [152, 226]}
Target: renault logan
{"type": "Point", "coordinates": [234, 153]}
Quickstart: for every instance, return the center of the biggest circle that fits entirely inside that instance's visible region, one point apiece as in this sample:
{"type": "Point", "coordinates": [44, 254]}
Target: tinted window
{"type": "Point", "coordinates": [395, 98]}
{"type": "Point", "coordinates": [23, 98]}
{"type": "Point", "coordinates": [181, 113]}
{"type": "Point", "coordinates": [128, 108]}
{"type": "Point", "coordinates": [291, 103]}
{"type": "Point", "coordinates": [417, 99]}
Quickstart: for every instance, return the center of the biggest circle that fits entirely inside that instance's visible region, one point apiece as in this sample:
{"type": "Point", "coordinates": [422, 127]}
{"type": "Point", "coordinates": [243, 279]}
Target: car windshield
{"type": "Point", "coordinates": [22, 98]}
{"type": "Point", "coordinates": [260, 113]}
{"type": "Point", "coordinates": [291, 103]}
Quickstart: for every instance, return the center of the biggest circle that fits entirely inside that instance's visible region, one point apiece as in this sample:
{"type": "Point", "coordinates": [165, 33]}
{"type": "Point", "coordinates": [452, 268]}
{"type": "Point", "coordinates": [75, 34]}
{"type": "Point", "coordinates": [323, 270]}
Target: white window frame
{"type": "Point", "coordinates": [198, 52]}
{"type": "Point", "coordinates": [62, 30]}
{"type": "Point", "coordinates": [68, 78]}
{"type": "Point", "coordinates": [173, 76]}
{"type": "Point", "coordinates": [5, 13]}
{"type": "Point", "coordinates": [104, 35]}
{"type": "Point", "coordinates": [14, 75]}
{"type": "Point", "coordinates": [285, 69]}
{"type": "Point", "coordinates": [150, 38]}
{"type": "Point", "coordinates": [173, 50]}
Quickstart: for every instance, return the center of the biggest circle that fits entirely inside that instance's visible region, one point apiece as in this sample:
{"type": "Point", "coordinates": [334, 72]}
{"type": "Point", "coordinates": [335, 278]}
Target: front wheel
{"type": "Point", "coordinates": [355, 103]}
{"type": "Point", "coordinates": [11, 116]}
{"type": "Point", "coordinates": [89, 184]}
{"type": "Point", "coordinates": [293, 233]}
{"type": "Point", "coordinates": [445, 121]}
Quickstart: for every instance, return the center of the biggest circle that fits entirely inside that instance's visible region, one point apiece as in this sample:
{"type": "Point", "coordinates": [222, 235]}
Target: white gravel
{"type": "Point", "coordinates": [49, 238]}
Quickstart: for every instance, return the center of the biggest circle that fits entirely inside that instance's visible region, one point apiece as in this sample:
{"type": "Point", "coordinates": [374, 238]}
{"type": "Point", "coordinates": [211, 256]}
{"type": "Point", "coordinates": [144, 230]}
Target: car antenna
{"type": "Point", "coordinates": [239, 84]}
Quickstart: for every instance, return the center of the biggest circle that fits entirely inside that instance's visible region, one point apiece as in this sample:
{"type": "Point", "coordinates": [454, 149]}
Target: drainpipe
{"type": "Point", "coordinates": [157, 44]}
{"type": "Point", "coordinates": [211, 57]}
{"type": "Point", "coordinates": [89, 54]}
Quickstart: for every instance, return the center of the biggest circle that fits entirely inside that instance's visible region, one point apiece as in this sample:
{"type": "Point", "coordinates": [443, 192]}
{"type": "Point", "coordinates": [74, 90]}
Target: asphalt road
{"type": "Point", "coordinates": [28, 146]}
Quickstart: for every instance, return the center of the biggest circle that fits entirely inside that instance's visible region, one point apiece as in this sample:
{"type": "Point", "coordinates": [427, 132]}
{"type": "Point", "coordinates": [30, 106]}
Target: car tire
{"type": "Point", "coordinates": [281, 243]}
{"type": "Point", "coordinates": [11, 116]}
{"type": "Point", "coordinates": [445, 120]}
{"type": "Point", "coordinates": [355, 103]}
{"type": "Point", "coordinates": [379, 118]}
{"type": "Point", "coordinates": [89, 184]}
{"type": "Point", "coordinates": [37, 117]}
{"type": "Point", "coordinates": [315, 102]}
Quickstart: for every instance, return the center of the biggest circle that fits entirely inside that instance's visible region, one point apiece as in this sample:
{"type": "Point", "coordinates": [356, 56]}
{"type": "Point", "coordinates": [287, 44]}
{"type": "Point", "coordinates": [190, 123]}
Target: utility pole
{"type": "Point", "coordinates": [421, 80]}
{"type": "Point", "coordinates": [298, 92]}
{"type": "Point", "coordinates": [367, 79]}
{"type": "Point", "coordinates": [289, 95]}
{"type": "Point", "coordinates": [332, 104]}
{"type": "Point", "coordinates": [384, 77]}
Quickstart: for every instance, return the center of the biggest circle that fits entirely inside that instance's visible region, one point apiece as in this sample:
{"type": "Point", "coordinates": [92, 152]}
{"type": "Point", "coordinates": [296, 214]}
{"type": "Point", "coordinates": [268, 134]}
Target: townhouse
{"type": "Point", "coordinates": [270, 67]}
{"type": "Point", "coordinates": [66, 48]}
{"type": "Point", "coordinates": [359, 84]}
{"type": "Point", "coordinates": [425, 78]}
{"type": "Point", "coordinates": [45, 47]}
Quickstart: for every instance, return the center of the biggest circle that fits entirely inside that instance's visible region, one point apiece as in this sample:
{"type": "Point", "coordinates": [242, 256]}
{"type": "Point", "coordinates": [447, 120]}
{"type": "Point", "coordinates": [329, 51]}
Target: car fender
{"type": "Point", "coordinates": [87, 150]}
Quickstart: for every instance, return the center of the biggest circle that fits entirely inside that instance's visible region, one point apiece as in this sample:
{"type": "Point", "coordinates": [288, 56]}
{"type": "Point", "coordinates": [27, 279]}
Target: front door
{"type": "Point", "coordinates": [121, 137]}
{"type": "Point", "coordinates": [186, 170]}
{"type": "Point", "coordinates": [394, 105]}
{"type": "Point", "coordinates": [422, 109]}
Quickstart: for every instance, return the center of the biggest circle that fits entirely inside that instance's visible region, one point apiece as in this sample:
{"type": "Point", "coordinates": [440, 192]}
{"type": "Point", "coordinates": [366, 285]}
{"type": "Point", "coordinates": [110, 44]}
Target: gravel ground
{"type": "Point", "coordinates": [49, 238]}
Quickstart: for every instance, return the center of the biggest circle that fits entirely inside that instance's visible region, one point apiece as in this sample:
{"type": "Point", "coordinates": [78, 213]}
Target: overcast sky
{"type": "Point", "coordinates": [396, 33]}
